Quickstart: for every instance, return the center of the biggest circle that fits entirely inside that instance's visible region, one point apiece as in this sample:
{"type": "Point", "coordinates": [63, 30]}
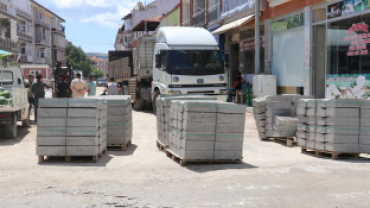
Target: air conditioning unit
{"type": "Point", "coordinates": [264, 85]}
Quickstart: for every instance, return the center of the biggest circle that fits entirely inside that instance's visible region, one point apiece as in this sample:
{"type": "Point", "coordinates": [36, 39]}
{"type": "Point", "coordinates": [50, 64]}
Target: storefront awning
{"type": "Point", "coordinates": [233, 25]}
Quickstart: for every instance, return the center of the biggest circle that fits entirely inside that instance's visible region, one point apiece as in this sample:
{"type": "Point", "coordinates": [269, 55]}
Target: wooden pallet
{"type": "Point", "coordinates": [327, 154]}
{"type": "Point", "coordinates": [183, 161]}
{"type": "Point", "coordinates": [43, 158]}
{"type": "Point", "coordinates": [290, 141]}
{"type": "Point", "coordinates": [123, 147]}
{"type": "Point", "coordinates": [161, 146]}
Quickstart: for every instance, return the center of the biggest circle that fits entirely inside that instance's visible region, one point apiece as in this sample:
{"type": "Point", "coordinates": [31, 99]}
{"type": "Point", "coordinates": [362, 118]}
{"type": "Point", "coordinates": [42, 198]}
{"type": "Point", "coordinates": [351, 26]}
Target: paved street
{"type": "Point", "coordinates": [271, 175]}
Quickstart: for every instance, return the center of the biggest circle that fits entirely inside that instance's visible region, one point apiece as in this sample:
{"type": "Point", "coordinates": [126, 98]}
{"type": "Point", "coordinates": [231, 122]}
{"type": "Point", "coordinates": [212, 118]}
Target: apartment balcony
{"type": "Point", "coordinates": [58, 31]}
{"type": "Point", "coordinates": [7, 10]}
{"type": "Point", "coordinates": [59, 47]}
{"type": "Point", "coordinates": [43, 42]}
{"type": "Point", "coordinates": [42, 23]}
{"type": "Point", "coordinates": [24, 36]}
{"type": "Point", "coordinates": [46, 60]}
{"type": "Point", "coordinates": [8, 45]}
{"type": "Point", "coordinates": [22, 13]}
{"type": "Point", "coordinates": [26, 59]}
{"type": "Point", "coordinates": [199, 18]}
{"type": "Point", "coordinates": [214, 13]}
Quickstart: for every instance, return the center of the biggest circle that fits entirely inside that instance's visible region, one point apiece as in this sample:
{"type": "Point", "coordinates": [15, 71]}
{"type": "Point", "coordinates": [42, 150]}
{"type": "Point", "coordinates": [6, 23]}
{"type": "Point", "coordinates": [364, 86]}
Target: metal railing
{"type": "Point", "coordinates": [46, 60]}
{"type": "Point", "coordinates": [24, 35]}
{"type": "Point", "coordinates": [59, 47]}
{"type": "Point", "coordinates": [199, 18]}
{"type": "Point", "coordinates": [214, 13]}
{"type": "Point", "coordinates": [26, 59]}
{"type": "Point", "coordinates": [8, 44]}
{"type": "Point", "coordinates": [42, 23]}
{"type": "Point", "coordinates": [22, 13]}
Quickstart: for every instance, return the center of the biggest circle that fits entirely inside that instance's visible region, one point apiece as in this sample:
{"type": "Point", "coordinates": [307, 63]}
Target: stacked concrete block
{"type": "Point", "coordinates": [259, 111]}
{"type": "Point", "coordinates": [364, 138]}
{"type": "Point", "coordinates": [285, 126]}
{"type": "Point", "coordinates": [71, 127]}
{"type": "Point", "coordinates": [164, 122]}
{"type": "Point", "coordinates": [206, 130]}
{"type": "Point", "coordinates": [119, 119]}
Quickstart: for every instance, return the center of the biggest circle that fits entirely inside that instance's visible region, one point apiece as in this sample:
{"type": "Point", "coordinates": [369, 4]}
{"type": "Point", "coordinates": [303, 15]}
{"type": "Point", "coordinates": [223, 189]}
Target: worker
{"type": "Point", "coordinates": [62, 87]}
{"type": "Point", "coordinates": [78, 87]}
{"type": "Point", "coordinates": [112, 88]}
{"type": "Point", "coordinates": [65, 77]}
{"type": "Point", "coordinates": [237, 86]}
{"type": "Point", "coordinates": [28, 84]}
{"type": "Point", "coordinates": [91, 87]}
{"type": "Point", "coordinates": [38, 91]}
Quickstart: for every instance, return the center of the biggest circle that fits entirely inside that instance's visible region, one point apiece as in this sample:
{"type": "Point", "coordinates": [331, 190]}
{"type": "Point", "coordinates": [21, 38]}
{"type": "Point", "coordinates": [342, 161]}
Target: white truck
{"type": "Point", "coordinates": [16, 108]}
{"type": "Point", "coordinates": [180, 60]}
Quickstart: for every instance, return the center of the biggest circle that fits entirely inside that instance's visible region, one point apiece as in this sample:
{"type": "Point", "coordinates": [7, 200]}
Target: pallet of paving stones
{"type": "Point", "coordinates": [289, 141]}
{"type": "Point", "coordinates": [161, 146]}
{"type": "Point", "coordinates": [94, 158]}
{"type": "Point", "coordinates": [184, 161]}
{"type": "Point", "coordinates": [115, 147]}
{"type": "Point", "coordinates": [328, 154]}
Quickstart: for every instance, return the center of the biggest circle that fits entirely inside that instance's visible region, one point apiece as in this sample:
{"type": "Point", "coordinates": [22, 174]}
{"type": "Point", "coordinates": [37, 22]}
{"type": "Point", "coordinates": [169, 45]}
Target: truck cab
{"type": "Point", "coordinates": [188, 61]}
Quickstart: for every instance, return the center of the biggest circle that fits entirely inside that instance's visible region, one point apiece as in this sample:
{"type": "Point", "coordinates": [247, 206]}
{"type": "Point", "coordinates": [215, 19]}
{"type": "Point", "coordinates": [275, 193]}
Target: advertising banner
{"type": "Point", "coordinates": [347, 7]}
{"type": "Point", "coordinates": [348, 86]}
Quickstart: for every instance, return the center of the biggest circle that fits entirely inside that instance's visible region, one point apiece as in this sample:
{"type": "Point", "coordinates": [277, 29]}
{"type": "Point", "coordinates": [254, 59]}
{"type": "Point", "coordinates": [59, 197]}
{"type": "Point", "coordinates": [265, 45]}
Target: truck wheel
{"type": "Point", "coordinates": [154, 102]}
{"type": "Point", "coordinates": [11, 130]}
{"type": "Point", "coordinates": [27, 121]}
{"type": "Point", "coordinates": [138, 104]}
{"type": "Point", "coordinates": [148, 105]}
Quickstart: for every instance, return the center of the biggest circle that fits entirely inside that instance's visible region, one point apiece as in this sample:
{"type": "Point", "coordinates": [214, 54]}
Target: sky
{"type": "Point", "coordinates": [91, 24]}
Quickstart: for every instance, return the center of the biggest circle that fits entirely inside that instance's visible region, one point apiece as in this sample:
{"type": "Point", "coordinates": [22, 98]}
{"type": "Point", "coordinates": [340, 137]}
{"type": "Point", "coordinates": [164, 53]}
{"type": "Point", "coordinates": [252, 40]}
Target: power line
{"type": "Point", "coordinates": [90, 42]}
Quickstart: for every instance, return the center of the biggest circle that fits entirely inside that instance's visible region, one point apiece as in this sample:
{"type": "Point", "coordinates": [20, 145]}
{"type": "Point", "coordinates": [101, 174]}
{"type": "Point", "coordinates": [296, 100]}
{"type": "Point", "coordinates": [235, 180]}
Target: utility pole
{"type": "Point", "coordinates": [146, 32]}
{"type": "Point", "coordinates": [257, 37]}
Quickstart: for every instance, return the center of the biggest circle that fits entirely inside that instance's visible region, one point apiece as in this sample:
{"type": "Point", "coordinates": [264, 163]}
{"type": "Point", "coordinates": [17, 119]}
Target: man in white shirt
{"type": "Point", "coordinates": [112, 88]}
{"type": "Point", "coordinates": [78, 87]}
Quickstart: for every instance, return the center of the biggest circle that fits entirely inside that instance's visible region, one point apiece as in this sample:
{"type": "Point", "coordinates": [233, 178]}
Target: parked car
{"type": "Point", "coordinates": [102, 82]}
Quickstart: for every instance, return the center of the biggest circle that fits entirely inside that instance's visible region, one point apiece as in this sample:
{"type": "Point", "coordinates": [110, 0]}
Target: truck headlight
{"type": "Point", "coordinates": [223, 91]}
{"type": "Point", "coordinates": [174, 93]}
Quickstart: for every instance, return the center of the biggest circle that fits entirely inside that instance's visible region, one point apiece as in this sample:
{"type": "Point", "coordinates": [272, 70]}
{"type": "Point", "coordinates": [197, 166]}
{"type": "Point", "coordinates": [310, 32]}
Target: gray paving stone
{"type": "Point", "coordinates": [196, 154]}
{"type": "Point", "coordinates": [259, 102]}
{"type": "Point", "coordinates": [364, 139]}
{"type": "Point", "coordinates": [230, 118]}
{"type": "Point", "coordinates": [82, 131]}
{"type": "Point", "coordinates": [82, 141]}
{"type": "Point", "coordinates": [82, 150]}
{"type": "Point", "coordinates": [310, 143]}
{"type": "Point", "coordinates": [286, 121]}
{"type": "Point", "coordinates": [343, 112]}
{"type": "Point", "coordinates": [348, 130]}
{"type": "Point", "coordinates": [82, 122]}
{"type": "Point", "coordinates": [259, 116]}
{"type": "Point", "coordinates": [334, 121]}
{"type": "Point", "coordinates": [228, 155]}
{"type": "Point", "coordinates": [363, 148]}
{"type": "Point", "coordinates": [50, 141]}
{"type": "Point", "coordinates": [301, 142]}
{"type": "Point", "coordinates": [283, 134]}
{"type": "Point", "coordinates": [320, 138]}
{"type": "Point", "coordinates": [234, 127]}
{"type": "Point", "coordinates": [51, 131]}
{"type": "Point", "coordinates": [257, 110]}
{"type": "Point", "coordinates": [319, 146]}
{"type": "Point", "coordinates": [84, 103]}
{"type": "Point", "coordinates": [51, 122]}
{"type": "Point", "coordinates": [306, 103]}
{"type": "Point", "coordinates": [343, 103]}
{"type": "Point", "coordinates": [195, 136]}
{"type": "Point", "coordinates": [199, 117]}
{"type": "Point", "coordinates": [341, 139]}
{"type": "Point", "coordinates": [190, 145]}
{"type": "Point", "coordinates": [301, 135]}
{"type": "Point", "coordinates": [51, 113]}
{"type": "Point", "coordinates": [285, 128]}
{"type": "Point", "coordinates": [51, 150]}
{"type": "Point", "coordinates": [223, 107]}
{"type": "Point", "coordinates": [342, 148]}
{"type": "Point", "coordinates": [84, 113]}
{"type": "Point", "coordinates": [230, 137]}
{"type": "Point", "coordinates": [197, 126]}
{"type": "Point", "coordinates": [228, 146]}
{"type": "Point", "coordinates": [53, 103]}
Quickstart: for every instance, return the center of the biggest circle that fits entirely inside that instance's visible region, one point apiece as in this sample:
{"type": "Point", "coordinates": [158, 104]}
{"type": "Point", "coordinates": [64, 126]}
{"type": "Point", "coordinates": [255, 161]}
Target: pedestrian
{"type": "Point", "coordinates": [78, 87]}
{"type": "Point", "coordinates": [112, 88]}
{"type": "Point", "coordinates": [38, 91]}
{"type": "Point", "coordinates": [237, 86]}
{"type": "Point", "coordinates": [62, 87]}
{"type": "Point", "coordinates": [91, 86]}
{"type": "Point", "coordinates": [28, 84]}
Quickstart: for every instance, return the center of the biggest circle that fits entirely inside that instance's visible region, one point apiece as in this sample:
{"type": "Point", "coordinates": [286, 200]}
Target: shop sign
{"type": "Point", "coordinates": [346, 7]}
{"type": "Point", "coordinates": [249, 45]}
{"type": "Point", "coordinates": [288, 23]}
{"type": "Point", "coordinates": [347, 86]}
{"type": "Point", "coordinates": [359, 42]}
{"type": "Point", "coordinates": [307, 51]}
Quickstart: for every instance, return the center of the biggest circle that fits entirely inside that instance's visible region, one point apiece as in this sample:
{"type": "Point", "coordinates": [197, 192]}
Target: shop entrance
{"type": "Point", "coordinates": [319, 76]}
{"type": "Point", "coordinates": [234, 62]}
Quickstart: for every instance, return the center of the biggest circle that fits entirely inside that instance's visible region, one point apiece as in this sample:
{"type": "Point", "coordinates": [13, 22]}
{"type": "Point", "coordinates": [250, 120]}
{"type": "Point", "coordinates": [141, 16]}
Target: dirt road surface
{"type": "Point", "coordinates": [271, 175]}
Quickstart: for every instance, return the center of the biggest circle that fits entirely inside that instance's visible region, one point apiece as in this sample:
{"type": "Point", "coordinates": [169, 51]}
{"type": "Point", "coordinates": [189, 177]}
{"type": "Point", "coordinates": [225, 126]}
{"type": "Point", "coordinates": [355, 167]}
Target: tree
{"type": "Point", "coordinates": [98, 72]}
{"type": "Point", "coordinates": [79, 60]}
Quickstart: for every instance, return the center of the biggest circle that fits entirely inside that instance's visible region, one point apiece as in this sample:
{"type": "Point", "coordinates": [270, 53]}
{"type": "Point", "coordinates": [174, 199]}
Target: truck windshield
{"type": "Point", "coordinates": [6, 77]}
{"type": "Point", "coordinates": [195, 62]}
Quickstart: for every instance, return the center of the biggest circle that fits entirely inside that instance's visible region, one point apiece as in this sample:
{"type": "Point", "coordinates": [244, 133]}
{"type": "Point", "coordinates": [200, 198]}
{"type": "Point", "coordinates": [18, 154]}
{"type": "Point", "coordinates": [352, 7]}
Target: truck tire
{"type": "Point", "coordinates": [11, 130]}
{"type": "Point", "coordinates": [154, 102]}
{"type": "Point", "coordinates": [27, 121]}
{"type": "Point", "coordinates": [138, 104]}
{"type": "Point", "coordinates": [148, 105]}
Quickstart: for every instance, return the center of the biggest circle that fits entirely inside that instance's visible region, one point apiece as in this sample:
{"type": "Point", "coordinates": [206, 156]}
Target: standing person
{"type": "Point", "coordinates": [112, 88]}
{"type": "Point", "coordinates": [237, 86]}
{"type": "Point", "coordinates": [28, 85]}
{"type": "Point", "coordinates": [78, 87]}
{"type": "Point", "coordinates": [38, 90]}
{"type": "Point", "coordinates": [91, 86]}
{"type": "Point", "coordinates": [62, 87]}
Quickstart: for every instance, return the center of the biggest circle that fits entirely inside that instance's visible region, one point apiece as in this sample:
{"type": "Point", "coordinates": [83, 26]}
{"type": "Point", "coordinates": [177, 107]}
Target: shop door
{"type": "Point", "coordinates": [234, 63]}
{"type": "Point", "coordinates": [318, 70]}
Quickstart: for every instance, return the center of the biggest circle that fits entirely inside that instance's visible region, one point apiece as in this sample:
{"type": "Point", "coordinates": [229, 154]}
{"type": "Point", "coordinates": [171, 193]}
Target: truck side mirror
{"type": "Point", "coordinates": [227, 60]}
{"type": "Point", "coordinates": [158, 61]}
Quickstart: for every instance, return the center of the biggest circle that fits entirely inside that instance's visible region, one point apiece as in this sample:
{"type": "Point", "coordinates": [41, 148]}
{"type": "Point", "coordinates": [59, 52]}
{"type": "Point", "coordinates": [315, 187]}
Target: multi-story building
{"type": "Point", "coordinates": [8, 28]}
{"type": "Point", "coordinates": [24, 30]}
{"type": "Point", "coordinates": [118, 44]}
{"type": "Point", "coordinates": [99, 63]}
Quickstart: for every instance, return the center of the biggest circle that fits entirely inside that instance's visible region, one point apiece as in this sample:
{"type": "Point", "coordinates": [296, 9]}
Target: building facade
{"type": "Point", "coordinates": [99, 63]}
